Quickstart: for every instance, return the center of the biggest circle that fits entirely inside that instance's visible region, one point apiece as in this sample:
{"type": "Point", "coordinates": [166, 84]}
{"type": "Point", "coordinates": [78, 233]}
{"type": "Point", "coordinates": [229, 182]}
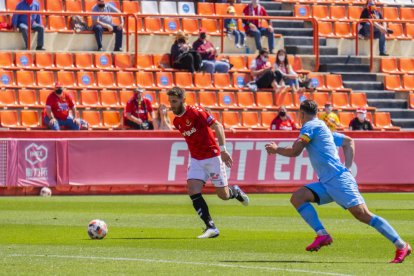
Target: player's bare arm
{"type": "Point", "coordinates": [293, 151]}
{"type": "Point", "coordinates": [348, 146]}
{"type": "Point", "coordinates": [225, 156]}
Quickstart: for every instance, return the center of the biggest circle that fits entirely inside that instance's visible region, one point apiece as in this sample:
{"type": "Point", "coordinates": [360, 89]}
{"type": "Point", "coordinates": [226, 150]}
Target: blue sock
{"type": "Point", "coordinates": [387, 231]}
{"type": "Point", "coordinates": [308, 213]}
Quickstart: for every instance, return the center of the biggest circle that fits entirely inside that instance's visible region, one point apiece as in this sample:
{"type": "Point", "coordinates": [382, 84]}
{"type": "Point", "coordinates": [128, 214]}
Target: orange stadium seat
{"type": "Point", "coordinates": [265, 99]}
{"type": "Point", "coordinates": [239, 63]}
{"type": "Point", "coordinates": [240, 80]}
{"type": "Point", "coordinates": [92, 117]}
{"type": "Point", "coordinates": [320, 12]}
{"type": "Point", "coordinates": [227, 99]}
{"type": "Point", "coordinates": [302, 10]}
{"type": "Point", "coordinates": [8, 97]}
{"type": "Point", "coordinates": [411, 99]}
{"type": "Point", "coordinates": [132, 27]}
{"type": "Point", "coordinates": [6, 60]}
{"type": "Point", "coordinates": [105, 79]}
{"type": "Point", "coordinates": [397, 28]}
{"type": "Point", "coordinates": [383, 120]}
{"type": "Point", "coordinates": [211, 26]}
{"type": "Point", "coordinates": [354, 12]}
{"type": "Point", "coordinates": [389, 65]}
{"type": "Point", "coordinates": [9, 118]}
{"type": "Point", "coordinates": [345, 118]}
{"type": "Point", "coordinates": [190, 98]}
{"type": "Point", "coordinates": [184, 79]}
{"type": "Point", "coordinates": [152, 97]}
{"type": "Point", "coordinates": [7, 78]}
{"type": "Point", "coordinates": [164, 98]}
{"type": "Point", "coordinates": [85, 79]}
{"type": "Point", "coordinates": [318, 81]}
{"type": "Point", "coordinates": [267, 118]}
{"type": "Point", "coordinates": [53, 5]}
{"type": "Point", "coordinates": [64, 60]}
{"type": "Point", "coordinates": [111, 119]}
{"type": "Point", "coordinates": [43, 94]}
{"type": "Point", "coordinates": [171, 25]}
{"type": "Point", "coordinates": [66, 78]}
{"type": "Point", "coordinates": [45, 78]}
{"type": "Point", "coordinates": [44, 60]}
{"type": "Point", "coordinates": [89, 98]}
{"type": "Point", "coordinates": [205, 8]}
{"type": "Point", "coordinates": [338, 12]}
{"type": "Point", "coordinates": [359, 100]}
{"type": "Point", "coordinates": [57, 23]}
{"type": "Point", "coordinates": [343, 29]}
{"type": "Point", "coordinates": [390, 13]}
{"type": "Point", "coordinates": [325, 29]}
{"type": "Point", "coordinates": [153, 25]}
{"type": "Point", "coordinates": [246, 99]}
{"type": "Point", "coordinates": [239, 7]}
{"type": "Point", "coordinates": [72, 5]}
{"type": "Point", "coordinates": [145, 79]}
{"type": "Point", "coordinates": [27, 97]}
{"type": "Point", "coordinates": [202, 80]}
{"type": "Point", "coordinates": [207, 99]}
{"type": "Point", "coordinates": [130, 7]}
{"type": "Point", "coordinates": [29, 118]}
{"type": "Point", "coordinates": [408, 82]}
{"type": "Point", "coordinates": [164, 79]}
{"type": "Point", "coordinates": [334, 82]}
{"type": "Point", "coordinates": [231, 119]}
{"type": "Point", "coordinates": [340, 101]}
{"type": "Point", "coordinates": [125, 79]}
{"type": "Point", "coordinates": [84, 61]}
{"type": "Point", "coordinates": [25, 78]}
{"type": "Point", "coordinates": [124, 96]}
{"type": "Point", "coordinates": [393, 82]}
{"type": "Point", "coordinates": [162, 61]}
{"type": "Point", "coordinates": [11, 4]}
{"type": "Point", "coordinates": [145, 61]}
{"type": "Point", "coordinates": [321, 98]}
{"type": "Point", "coordinates": [222, 81]}
{"type": "Point", "coordinates": [190, 25]}
{"type": "Point", "coordinates": [409, 30]}
{"type": "Point", "coordinates": [406, 13]}
{"type": "Point", "coordinates": [221, 8]}
{"type": "Point", "coordinates": [251, 120]}
{"type": "Point", "coordinates": [285, 99]}
{"type": "Point", "coordinates": [109, 98]}
{"type": "Point", "coordinates": [103, 61]}
{"type": "Point", "coordinates": [24, 59]}
{"type": "Point", "coordinates": [122, 61]}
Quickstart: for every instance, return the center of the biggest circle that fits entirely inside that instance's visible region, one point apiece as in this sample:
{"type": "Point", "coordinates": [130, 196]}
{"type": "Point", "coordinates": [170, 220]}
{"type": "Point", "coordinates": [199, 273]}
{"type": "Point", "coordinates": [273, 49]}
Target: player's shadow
{"type": "Point", "coordinates": [297, 262]}
{"type": "Point", "coordinates": [151, 238]}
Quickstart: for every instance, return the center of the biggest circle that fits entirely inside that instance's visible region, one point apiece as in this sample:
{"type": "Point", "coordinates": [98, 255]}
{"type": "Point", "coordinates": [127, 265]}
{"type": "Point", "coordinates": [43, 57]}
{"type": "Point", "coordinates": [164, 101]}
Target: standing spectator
{"type": "Point", "coordinates": [103, 23]}
{"type": "Point", "coordinates": [380, 28]}
{"type": "Point", "coordinates": [137, 110]}
{"type": "Point", "coordinates": [283, 121]}
{"type": "Point", "coordinates": [360, 122]}
{"type": "Point", "coordinates": [330, 118]}
{"type": "Point", "coordinates": [162, 122]}
{"type": "Point", "coordinates": [232, 28]}
{"type": "Point", "coordinates": [253, 28]}
{"type": "Point", "coordinates": [289, 77]}
{"type": "Point", "coordinates": [261, 71]}
{"type": "Point", "coordinates": [183, 56]}
{"type": "Point", "coordinates": [20, 22]}
{"type": "Point", "coordinates": [61, 111]}
{"type": "Point", "coordinates": [208, 54]}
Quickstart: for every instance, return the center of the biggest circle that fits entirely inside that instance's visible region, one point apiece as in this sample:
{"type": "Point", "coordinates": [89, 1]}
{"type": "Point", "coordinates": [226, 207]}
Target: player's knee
{"type": "Point", "coordinates": [362, 214]}
{"type": "Point", "coordinates": [223, 196]}
{"type": "Point", "coordinates": [297, 199]}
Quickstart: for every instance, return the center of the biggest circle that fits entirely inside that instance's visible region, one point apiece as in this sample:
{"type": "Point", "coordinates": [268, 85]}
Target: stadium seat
{"type": "Point", "coordinates": [338, 12]}
{"type": "Point", "coordinates": [162, 61]}
{"type": "Point", "coordinates": [153, 25]}
{"type": "Point", "coordinates": [239, 63]}
{"type": "Point", "coordinates": [190, 98]}
{"type": "Point", "coordinates": [45, 78]}
{"type": "Point", "coordinates": [89, 98]}
{"type": "Point", "coordinates": [265, 99]}
{"type": "Point", "coordinates": [207, 99]}
{"type": "Point", "coordinates": [131, 25]}
{"type": "Point", "coordinates": [152, 97]}
{"type": "Point", "coordinates": [411, 100]}
{"type": "Point", "coordinates": [122, 61]}
{"type": "Point", "coordinates": [409, 30]}
{"type": "Point", "coordinates": [85, 79]}
{"type": "Point", "coordinates": [359, 100]}
{"type": "Point", "coordinates": [88, 5]}
{"type": "Point", "coordinates": [345, 118]}
{"type": "Point", "coordinates": [227, 100]}
{"type": "Point", "coordinates": [190, 26]}
{"type": "Point", "coordinates": [29, 118]}
{"type": "Point", "coordinates": [27, 97]}
{"type": "Point", "coordinates": [267, 118]}
{"type": "Point", "coordinates": [406, 13]}
{"type": "Point", "coordinates": [145, 61]}
{"type": "Point", "coordinates": [251, 120]}
{"type": "Point", "coordinates": [186, 8]}
{"type": "Point", "coordinates": [64, 60]}
{"type": "Point", "coordinates": [302, 10]}
{"type": "Point", "coordinates": [239, 7]}
{"type": "Point", "coordinates": [25, 79]}
{"type": "Point", "coordinates": [393, 82]}
{"type": "Point", "coordinates": [205, 8]}
{"type": "Point", "coordinates": [130, 7]}
{"type": "Point", "coordinates": [84, 61]}
{"type": "Point", "coordinates": [145, 79]}
{"type": "Point", "coordinates": [343, 30]}
{"type": "Point", "coordinates": [103, 61]}
{"type": "Point", "coordinates": [221, 8]}
{"type": "Point", "coordinates": [105, 79]}
{"type": "Point", "coordinates": [408, 82]}
{"type": "Point", "coordinates": [383, 120]}
{"type": "Point", "coordinates": [240, 80]}
{"type": "Point", "coordinates": [171, 25]}
{"type": "Point", "coordinates": [8, 98]}
{"type": "Point", "coordinates": [125, 79]}
{"type": "Point", "coordinates": [111, 119]}
{"type": "Point", "coordinates": [231, 119]}
{"type": "Point", "coordinates": [9, 118]}
{"type": "Point", "coordinates": [246, 100]}
{"type": "Point", "coordinates": [203, 81]}
{"type": "Point", "coordinates": [321, 98]}
{"type": "Point", "coordinates": [125, 96]}
{"type": "Point", "coordinates": [354, 12]}
{"type": "Point", "coordinates": [92, 117]}
{"type": "Point", "coordinates": [7, 78]}
{"type": "Point", "coordinates": [184, 79]}
{"type": "Point", "coordinates": [325, 29]}
{"type": "Point", "coordinates": [299, 97]}
{"type": "Point", "coordinates": [72, 5]}
{"type": "Point", "coordinates": [340, 101]}
{"type": "Point", "coordinates": [43, 94]}
{"type": "Point", "coordinates": [168, 7]}
{"type": "Point", "coordinates": [164, 98]}
{"type": "Point", "coordinates": [334, 82]}
{"type": "Point", "coordinates": [66, 78]}
{"type": "Point", "coordinates": [164, 79]}
{"type": "Point", "coordinates": [6, 60]}
{"type": "Point", "coordinates": [57, 23]}
{"type": "Point", "coordinates": [149, 7]}
{"type": "Point", "coordinates": [397, 28]}
{"type": "Point", "coordinates": [389, 65]}
{"type": "Point", "coordinates": [211, 26]}
{"type": "Point", "coordinates": [24, 60]}
{"type": "Point", "coordinates": [317, 81]}
{"type": "Point", "coordinates": [320, 12]}
{"type": "Point", "coordinates": [285, 99]}
{"type": "Point", "coordinates": [44, 60]}
{"type": "Point", "coordinates": [222, 81]}
{"type": "Point", "coordinates": [53, 5]}
{"type": "Point", "coordinates": [390, 13]}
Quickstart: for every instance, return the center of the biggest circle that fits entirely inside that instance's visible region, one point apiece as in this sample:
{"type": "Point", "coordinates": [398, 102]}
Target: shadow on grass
{"type": "Point", "coordinates": [152, 238]}
{"type": "Point", "coordinates": [298, 262]}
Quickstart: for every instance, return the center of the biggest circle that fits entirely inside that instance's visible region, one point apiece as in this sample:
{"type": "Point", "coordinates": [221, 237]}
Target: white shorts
{"type": "Point", "coordinates": [211, 168]}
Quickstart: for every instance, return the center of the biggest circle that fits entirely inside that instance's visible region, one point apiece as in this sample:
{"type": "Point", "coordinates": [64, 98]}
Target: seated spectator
{"type": "Point", "coordinates": [283, 121]}
{"type": "Point", "coordinates": [289, 77]}
{"type": "Point", "coordinates": [137, 110]}
{"type": "Point", "coordinates": [380, 28]}
{"type": "Point", "coordinates": [162, 122]}
{"type": "Point", "coordinates": [103, 23]}
{"type": "Point", "coordinates": [360, 122]}
{"type": "Point", "coordinates": [208, 54]}
{"type": "Point", "coordinates": [252, 27]}
{"type": "Point", "coordinates": [61, 111]}
{"type": "Point", "coordinates": [20, 22]}
{"type": "Point", "coordinates": [330, 118]}
{"type": "Point", "coordinates": [261, 71]}
{"type": "Point", "coordinates": [232, 28]}
{"type": "Point", "coordinates": [183, 56]}
{"type": "Point", "coordinates": [78, 24]}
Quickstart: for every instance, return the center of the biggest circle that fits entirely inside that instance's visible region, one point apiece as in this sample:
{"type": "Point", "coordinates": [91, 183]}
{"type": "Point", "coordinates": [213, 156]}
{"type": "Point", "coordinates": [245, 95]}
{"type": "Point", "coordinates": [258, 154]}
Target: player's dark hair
{"type": "Point", "coordinates": [176, 91]}
{"type": "Point", "coordinates": [310, 107]}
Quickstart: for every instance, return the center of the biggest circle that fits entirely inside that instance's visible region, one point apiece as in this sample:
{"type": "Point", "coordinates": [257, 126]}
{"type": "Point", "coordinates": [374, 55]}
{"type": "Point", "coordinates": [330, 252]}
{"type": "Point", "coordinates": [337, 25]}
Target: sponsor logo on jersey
{"type": "Point", "coordinates": [189, 132]}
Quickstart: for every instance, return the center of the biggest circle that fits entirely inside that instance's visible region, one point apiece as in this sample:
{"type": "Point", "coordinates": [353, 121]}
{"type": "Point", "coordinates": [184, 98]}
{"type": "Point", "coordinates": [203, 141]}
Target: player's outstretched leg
{"type": "Point", "coordinates": [301, 200]}
{"type": "Point", "coordinates": [362, 213]}
{"type": "Point", "coordinates": [230, 192]}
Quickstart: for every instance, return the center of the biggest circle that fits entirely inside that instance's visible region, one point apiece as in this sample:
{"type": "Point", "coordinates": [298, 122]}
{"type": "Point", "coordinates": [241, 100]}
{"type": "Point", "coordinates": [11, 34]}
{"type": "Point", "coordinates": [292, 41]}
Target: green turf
{"type": "Point", "coordinates": [156, 235]}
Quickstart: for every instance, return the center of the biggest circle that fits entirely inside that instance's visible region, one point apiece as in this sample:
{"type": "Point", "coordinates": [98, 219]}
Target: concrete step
{"type": "Point", "coordinates": [308, 50]}
{"type": "Point", "coordinates": [362, 86]}
{"type": "Point", "coordinates": [340, 59]}
{"type": "Point", "coordinates": [295, 32]}
{"type": "Point", "coordinates": [302, 40]}
{"type": "Point", "coordinates": [287, 24]}
{"type": "Point", "coordinates": [279, 13]}
{"type": "Point", "coordinates": [379, 94]}
{"type": "Point", "coordinates": [270, 5]}
{"type": "Point", "coordinates": [339, 68]}
{"type": "Point", "coordinates": [397, 113]}
{"type": "Point", "coordinates": [388, 103]}
{"type": "Point", "coordinates": [359, 77]}
{"type": "Point", "coordinates": [403, 123]}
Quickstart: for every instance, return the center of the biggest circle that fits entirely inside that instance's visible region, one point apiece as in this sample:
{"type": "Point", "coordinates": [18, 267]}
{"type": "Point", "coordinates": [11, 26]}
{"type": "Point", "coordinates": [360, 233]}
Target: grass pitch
{"type": "Point", "coordinates": [156, 235]}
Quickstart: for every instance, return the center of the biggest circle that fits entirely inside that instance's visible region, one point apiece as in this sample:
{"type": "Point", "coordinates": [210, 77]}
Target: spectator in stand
{"type": "Point", "coordinates": [289, 77]}
{"type": "Point", "coordinates": [61, 111]}
{"type": "Point", "coordinates": [20, 22]}
{"type": "Point", "coordinates": [380, 28]}
{"type": "Point", "coordinates": [103, 23]}
{"type": "Point", "coordinates": [330, 118]}
{"type": "Point", "coordinates": [183, 56]}
{"type": "Point", "coordinates": [360, 122]}
{"type": "Point", "coordinates": [232, 29]}
{"type": "Point", "coordinates": [209, 54]}
{"type": "Point", "coordinates": [253, 28]}
{"type": "Point", "coordinates": [137, 111]}
{"type": "Point", "coordinates": [283, 121]}
{"type": "Point", "coordinates": [162, 122]}
{"type": "Point", "coordinates": [261, 71]}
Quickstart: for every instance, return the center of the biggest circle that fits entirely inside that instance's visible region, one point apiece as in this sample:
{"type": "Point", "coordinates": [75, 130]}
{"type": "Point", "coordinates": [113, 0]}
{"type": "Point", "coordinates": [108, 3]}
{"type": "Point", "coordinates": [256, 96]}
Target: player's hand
{"type": "Point", "coordinates": [271, 148]}
{"type": "Point", "coordinates": [225, 156]}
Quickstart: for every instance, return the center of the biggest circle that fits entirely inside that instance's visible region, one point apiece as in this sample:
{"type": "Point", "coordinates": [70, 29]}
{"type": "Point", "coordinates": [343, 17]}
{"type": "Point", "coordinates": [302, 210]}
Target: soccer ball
{"type": "Point", "coordinates": [97, 229]}
{"type": "Point", "coordinates": [46, 192]}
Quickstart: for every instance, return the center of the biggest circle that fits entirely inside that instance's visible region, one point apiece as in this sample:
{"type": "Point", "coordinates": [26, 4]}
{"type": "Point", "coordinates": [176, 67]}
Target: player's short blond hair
{"type": "Point", "coordinates": [176, 91]}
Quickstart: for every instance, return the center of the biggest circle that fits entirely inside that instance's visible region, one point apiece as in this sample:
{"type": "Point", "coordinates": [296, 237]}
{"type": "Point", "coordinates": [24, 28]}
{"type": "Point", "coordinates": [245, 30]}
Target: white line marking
{"type": "Point", "coordinates": [181, 262]}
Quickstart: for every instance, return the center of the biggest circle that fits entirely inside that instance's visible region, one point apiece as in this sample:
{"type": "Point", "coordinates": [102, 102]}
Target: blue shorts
{"type": "Point", "coordinates": [342, 189]}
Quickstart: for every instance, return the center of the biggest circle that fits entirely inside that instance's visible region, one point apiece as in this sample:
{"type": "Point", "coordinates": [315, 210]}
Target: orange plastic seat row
{"type": "Point", "coordinates": [397, 66]}
{"type": "Point", "coordinates": [330, 82]}
{"type": "Point", "coordinates": [20, 119]}
{"type": "Point", "coordinates": [393, 82]}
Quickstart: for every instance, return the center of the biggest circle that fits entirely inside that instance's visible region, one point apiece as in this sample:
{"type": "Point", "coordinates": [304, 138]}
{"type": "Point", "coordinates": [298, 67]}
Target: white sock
{"type": "Point", "coordinates": [322, 232]}
{"type": "Point", "coordinates": [400, 244]}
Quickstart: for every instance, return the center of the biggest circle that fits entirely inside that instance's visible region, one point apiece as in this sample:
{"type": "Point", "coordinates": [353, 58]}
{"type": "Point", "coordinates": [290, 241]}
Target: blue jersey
{"type": "Point", "coordinates": [338, 138]}
{"type": "Point", "coordinates": [321, 147]}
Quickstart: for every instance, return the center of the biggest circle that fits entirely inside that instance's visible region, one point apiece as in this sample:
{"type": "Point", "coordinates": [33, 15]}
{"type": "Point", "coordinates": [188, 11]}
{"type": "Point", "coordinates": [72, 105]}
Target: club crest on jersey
{"type": "Point", "coordinates": [189, 132]}
{"type": "Point", "coordinates": [187, 122]}
{"type": "Point", "coordinates": [214, 176]}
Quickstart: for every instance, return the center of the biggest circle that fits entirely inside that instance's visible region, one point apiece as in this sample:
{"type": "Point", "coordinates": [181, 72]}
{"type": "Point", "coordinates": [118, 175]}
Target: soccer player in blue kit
{"type": "Point", "coordinates": [336, 183]}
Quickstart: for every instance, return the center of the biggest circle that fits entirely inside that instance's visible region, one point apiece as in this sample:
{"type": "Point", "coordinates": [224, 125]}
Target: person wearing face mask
{"type": "Point", "coordinates": [103, 23]}
{"type": "Point", "coordinates": [183, 57]}
{"type": "Point", "coordinates": [261, 71]}
{"type": "Point", "coordinates": [330, 118]}
{"type": "Point", "coordinates": [252, 27]}
{"type": "Point", "coordinates": [360, 122]}
{"type": "Point", "coordinates": [208, 54]}
{"type": "Point", "coordinates": [380, 28]}
{"type": "Point", "coordinates": [289, 77]}
{"type": "Point", "coordinates": [283, 121]}
{"type": "Point", "coordinates": [137, 111]}
{"type": "Point", "coordinates": [162, 122]}
{"type": "Point", "coordinates": [20, 22]}
{"type": "Point", "coordinates": [61, 111]}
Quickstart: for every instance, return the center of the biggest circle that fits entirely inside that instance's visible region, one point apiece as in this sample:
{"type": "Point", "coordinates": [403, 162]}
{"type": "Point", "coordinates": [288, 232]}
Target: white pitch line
{"type": "Point", "coordinates": [181, 262]}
